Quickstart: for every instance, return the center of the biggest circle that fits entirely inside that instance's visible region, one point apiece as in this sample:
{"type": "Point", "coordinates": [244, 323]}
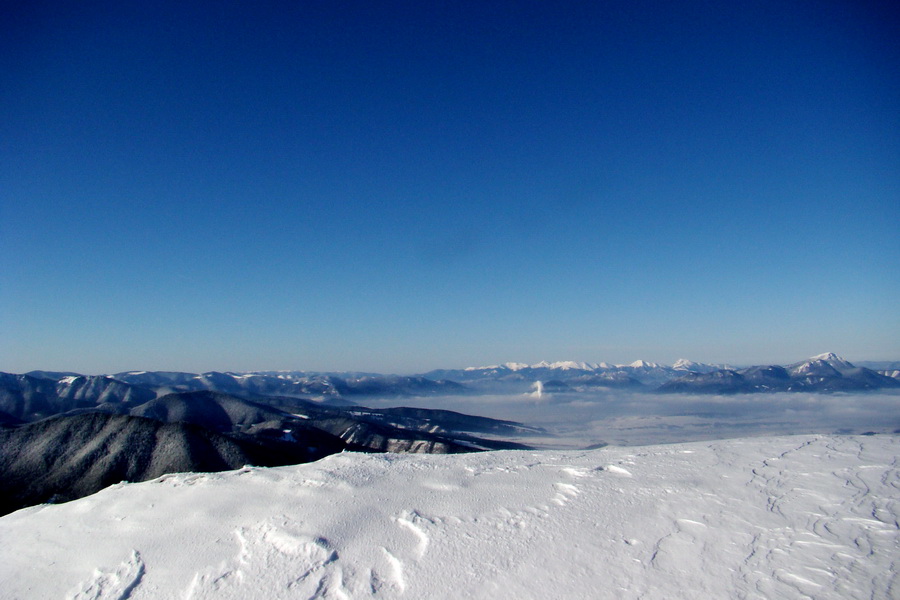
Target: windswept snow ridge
{"type": "Point", "coordinates": [785, 517]}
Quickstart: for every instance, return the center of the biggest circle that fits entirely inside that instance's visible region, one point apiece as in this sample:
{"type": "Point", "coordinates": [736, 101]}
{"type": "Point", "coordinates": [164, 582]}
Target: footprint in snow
{"type": "Point", "coordinates": [387, 577]}
{"type": "Point", "coordinates": [567, 491]}
{"type": "Point", "coordinates": [414, 523]}
{"type": "Point", "coordinates": [291, 562]}
{"type": "Point", "coordinates": [115, 584]}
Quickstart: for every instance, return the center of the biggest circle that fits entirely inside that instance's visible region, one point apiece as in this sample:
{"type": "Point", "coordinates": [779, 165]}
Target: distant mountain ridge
{"type": "Point", "coordinates": [30, 398]}
{"type": "Point", "coordinates": [639, 374]}
{"type": "Point", "coordinates": [40, 394]}
{"type": "Point", "coordinates": [826, 372]}
{"type": "Point", "coordinates": [822, 373]}
{"type": "Point", "coordinates": [326, 387]}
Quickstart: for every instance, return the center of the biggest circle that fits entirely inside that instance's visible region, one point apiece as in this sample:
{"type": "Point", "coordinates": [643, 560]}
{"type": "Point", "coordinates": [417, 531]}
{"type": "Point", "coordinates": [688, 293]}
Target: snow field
{"type": "Point", "coordinates": [785, 517]}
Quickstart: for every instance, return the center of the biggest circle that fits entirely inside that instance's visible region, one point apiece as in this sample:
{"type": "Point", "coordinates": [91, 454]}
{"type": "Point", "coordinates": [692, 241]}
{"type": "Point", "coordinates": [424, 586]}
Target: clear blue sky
{"type": "Point", "coordinates": [399, 186]}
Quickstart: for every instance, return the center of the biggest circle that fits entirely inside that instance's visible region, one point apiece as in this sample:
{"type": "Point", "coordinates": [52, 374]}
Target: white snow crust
{"type": "Point", "coordinates": [812, 516]}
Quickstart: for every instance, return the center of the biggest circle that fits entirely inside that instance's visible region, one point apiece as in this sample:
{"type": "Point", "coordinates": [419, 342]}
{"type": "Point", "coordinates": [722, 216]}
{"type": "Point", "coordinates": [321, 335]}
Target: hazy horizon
{"type": "Point", "coordinates": [724, 364]}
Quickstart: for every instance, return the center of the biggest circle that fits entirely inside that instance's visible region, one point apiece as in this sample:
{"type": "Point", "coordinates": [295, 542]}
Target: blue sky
{"type": "Point", "coordinates": [412, 185]}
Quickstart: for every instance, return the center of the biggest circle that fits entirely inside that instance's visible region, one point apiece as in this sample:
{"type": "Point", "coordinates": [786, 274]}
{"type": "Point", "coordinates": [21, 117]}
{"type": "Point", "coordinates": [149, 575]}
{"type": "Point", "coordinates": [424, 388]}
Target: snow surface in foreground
{"type": "Point", "coordinates": [782, 517]}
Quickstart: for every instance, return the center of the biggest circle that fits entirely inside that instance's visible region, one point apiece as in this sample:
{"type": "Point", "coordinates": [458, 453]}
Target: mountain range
{"type": "Point", "coordinates": [40, 394]}
{"type": "Point", "coordinates": [823, 373]}
{"type": "Point", "coordinates": [637, 375]}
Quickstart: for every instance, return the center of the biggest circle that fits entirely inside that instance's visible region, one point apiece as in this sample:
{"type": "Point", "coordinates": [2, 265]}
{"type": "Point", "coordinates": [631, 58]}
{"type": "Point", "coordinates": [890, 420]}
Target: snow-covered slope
{"type": "Point", "coordinates": [788, 517]}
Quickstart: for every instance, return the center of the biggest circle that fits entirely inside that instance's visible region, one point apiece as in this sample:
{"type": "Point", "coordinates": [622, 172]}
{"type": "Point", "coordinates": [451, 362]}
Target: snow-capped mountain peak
{"type": "Point", "coordinates": [515, 366]}
{"type": "Point", "coordinates": [511, 366]}
{"type": "Point", "coordinates": [683, 364]}
{"type": "Point", "coordinates": [642, 364]}
{"type": "Point", "coordinates": [830, 357]}
{"type": "Point", "coordinates": [564, 365]}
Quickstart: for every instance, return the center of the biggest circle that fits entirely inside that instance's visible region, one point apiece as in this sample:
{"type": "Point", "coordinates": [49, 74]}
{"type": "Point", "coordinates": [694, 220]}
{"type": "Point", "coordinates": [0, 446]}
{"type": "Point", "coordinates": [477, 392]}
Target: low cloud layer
{"type": "Point", "coordinates": [583, 420]}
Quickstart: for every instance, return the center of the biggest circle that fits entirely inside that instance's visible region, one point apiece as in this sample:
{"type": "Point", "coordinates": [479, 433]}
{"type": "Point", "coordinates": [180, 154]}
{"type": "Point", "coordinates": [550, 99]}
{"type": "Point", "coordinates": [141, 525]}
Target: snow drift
{"type": "Point", "coordinates": [785, 517]}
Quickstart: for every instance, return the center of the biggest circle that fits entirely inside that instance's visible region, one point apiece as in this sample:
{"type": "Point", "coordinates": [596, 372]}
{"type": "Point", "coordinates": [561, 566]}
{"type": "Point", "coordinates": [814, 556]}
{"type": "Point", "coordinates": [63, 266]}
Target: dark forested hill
{"type": "Point", "coordinates": [67, 457]}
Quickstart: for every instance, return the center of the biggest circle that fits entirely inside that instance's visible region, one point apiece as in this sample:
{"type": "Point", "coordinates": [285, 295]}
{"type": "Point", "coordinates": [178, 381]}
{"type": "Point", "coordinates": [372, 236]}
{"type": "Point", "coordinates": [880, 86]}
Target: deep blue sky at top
{"type": "Point", "coordinates": [398, 186]}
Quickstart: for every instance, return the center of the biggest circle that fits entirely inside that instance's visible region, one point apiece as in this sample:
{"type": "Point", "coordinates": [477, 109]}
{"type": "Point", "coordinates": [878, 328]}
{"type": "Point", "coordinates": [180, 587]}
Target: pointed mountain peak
{"type": "Point", "coordinates": [683, 363]}
{"type": "Point", "coordinates": [642, 364]}
{"type": "Point", "coordinates": [832, 360]}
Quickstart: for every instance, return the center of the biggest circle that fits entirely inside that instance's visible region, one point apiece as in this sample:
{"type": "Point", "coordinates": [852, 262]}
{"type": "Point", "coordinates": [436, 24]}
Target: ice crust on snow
{"type": "Point", "coordinates": [774, 517]}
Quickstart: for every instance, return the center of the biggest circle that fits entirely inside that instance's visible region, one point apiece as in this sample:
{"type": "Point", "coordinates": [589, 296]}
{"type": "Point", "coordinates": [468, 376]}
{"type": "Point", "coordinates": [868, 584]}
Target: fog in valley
{"type": "Point", "coordinates": [586, 419]}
